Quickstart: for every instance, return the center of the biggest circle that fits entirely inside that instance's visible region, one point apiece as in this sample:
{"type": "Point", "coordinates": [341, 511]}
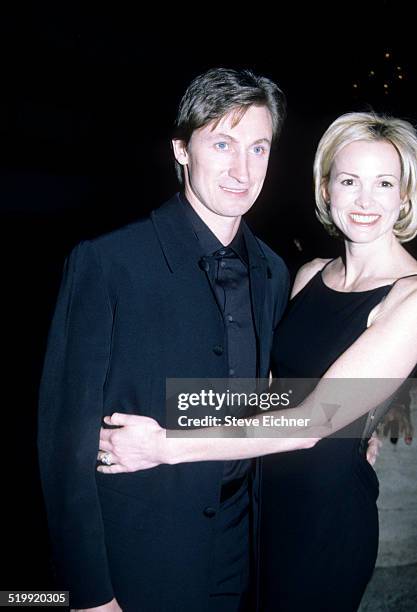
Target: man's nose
{"type": "Point", "coordinates": [239, 169]}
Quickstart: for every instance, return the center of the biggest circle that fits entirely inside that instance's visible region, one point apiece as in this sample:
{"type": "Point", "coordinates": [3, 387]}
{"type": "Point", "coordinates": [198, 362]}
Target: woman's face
{"type": "Point", "coordinates": [364, 190]}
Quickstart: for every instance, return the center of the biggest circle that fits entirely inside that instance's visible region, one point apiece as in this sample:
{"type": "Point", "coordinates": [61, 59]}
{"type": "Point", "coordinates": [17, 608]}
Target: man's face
{"type": "Point", "coordinates": [225, 166]}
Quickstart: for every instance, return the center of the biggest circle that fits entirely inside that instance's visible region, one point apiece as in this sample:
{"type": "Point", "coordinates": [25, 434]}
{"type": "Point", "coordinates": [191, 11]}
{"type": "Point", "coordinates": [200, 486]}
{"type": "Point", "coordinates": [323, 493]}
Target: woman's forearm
{"type": "Point", "coordinates": [203, 448]}
{"type": "Point", "coordinates": [139, 442]}
{"type": "Point", "coordinates": [332, 405]}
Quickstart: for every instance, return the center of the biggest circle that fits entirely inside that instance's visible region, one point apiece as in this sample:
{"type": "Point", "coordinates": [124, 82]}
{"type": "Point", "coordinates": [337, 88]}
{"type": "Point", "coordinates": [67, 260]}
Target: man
{"type": "Point", "coordinates": [187, 293]}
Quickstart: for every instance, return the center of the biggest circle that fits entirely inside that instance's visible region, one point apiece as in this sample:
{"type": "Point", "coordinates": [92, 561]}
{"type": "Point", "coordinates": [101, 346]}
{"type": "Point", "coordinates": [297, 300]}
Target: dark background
{"type": "Point", "coordinates": [88, 99]}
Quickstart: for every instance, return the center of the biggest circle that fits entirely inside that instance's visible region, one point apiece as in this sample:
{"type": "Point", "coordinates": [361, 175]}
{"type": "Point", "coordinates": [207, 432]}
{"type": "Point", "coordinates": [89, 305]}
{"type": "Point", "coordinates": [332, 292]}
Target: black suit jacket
{"type": "Point", "coordinates": [135, 308]}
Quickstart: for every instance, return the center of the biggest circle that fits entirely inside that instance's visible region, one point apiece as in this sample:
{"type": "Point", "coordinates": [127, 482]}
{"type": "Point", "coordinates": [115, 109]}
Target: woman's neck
{"type": "Point", "coordinates": [365, 266]}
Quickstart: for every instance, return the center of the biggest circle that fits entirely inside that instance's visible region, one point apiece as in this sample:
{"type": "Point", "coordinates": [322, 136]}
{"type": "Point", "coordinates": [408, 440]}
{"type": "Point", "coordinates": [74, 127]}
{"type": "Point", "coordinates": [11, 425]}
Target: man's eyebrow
{"type": "Point", "coordinates": [229, 137]}
{"type": "Point", "coordinates": [267, 140]}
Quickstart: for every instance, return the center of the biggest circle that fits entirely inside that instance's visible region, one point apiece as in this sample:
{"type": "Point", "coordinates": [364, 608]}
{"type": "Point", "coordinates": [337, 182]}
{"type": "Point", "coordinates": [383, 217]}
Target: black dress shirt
{"type": "Point", "coordinates": [227, 271]}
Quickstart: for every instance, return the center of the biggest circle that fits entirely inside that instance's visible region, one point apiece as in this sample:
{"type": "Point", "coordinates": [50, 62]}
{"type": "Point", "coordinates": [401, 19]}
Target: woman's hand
{"type": "Point", "coordinates": [372, 451]}
{"type": "Point", "coordinates": [138, 443]}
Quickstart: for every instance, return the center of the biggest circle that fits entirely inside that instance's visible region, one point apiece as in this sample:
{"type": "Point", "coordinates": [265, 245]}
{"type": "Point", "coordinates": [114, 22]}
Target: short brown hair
{"type": "Point", "coordinates": [219, 91]}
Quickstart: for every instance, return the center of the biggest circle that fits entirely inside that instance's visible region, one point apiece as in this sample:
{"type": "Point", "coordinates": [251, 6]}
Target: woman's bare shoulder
{"type": "Point", "coordinates": [401, 299]}
{"type": "Point", "coordinates": [306, 273]}
{"type": "Point", "coordinates": [404, 289]}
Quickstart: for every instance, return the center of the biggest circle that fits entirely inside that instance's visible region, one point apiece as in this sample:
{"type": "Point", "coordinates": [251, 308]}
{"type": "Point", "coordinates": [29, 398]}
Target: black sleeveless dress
{"type": "Point", "coordinates": [319, 520]}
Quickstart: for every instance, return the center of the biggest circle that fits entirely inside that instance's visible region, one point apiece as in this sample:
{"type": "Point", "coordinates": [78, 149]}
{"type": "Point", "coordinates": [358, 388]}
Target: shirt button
{"type": "Point", "coordinates": [229, 318]}
{"type": "Point", "coordinates": [209, 512]}
{"type": "Point", "coordinates": [222, 252]}
{"type": "Point", "coordinates": [231, 372]}
{"type": "Point", "coordinates": [223, 264]}
{"type": "Point", "coordinates": [218, 349]}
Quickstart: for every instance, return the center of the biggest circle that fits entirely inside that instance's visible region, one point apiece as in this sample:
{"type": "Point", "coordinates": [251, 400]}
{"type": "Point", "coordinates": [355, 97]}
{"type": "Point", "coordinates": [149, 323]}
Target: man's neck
{"type": "Point", "coordinates": [224, 228]}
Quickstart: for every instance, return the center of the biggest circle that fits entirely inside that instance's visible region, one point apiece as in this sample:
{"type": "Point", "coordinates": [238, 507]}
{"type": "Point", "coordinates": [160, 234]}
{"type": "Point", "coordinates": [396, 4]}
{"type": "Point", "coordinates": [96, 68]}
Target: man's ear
{"type": "Point", "coordinates": [180, 151]}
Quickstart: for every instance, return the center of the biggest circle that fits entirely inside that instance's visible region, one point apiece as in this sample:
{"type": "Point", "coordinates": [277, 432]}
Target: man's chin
{"type": "Point", "coordinates": [235, 209]}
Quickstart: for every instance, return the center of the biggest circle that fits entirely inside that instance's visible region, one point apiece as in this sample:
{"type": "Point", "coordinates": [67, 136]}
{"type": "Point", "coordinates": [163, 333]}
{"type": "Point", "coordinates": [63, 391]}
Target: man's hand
{"type": "Point", "coordinates": [137, 444]}
{"type": "Point", "coordinates": [111, 606]}
{"type": "Point", "coordinates": [372, 451]}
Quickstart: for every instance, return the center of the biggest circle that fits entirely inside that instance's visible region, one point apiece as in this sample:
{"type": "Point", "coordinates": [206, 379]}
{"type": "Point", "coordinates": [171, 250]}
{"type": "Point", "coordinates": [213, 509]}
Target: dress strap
{"type": "Point", "coordinates": [326, 264]}
{"type": "Point", "coordinates": [401, 277]}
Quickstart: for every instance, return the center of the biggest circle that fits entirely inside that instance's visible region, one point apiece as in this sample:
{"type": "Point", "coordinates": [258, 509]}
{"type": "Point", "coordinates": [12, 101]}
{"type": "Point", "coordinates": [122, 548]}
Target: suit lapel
{"type": "Point", "coordinates": [182, 250]}
{"type": "Point", "coordinates": [175, 235]}
{"type": "Point", "coordinates": [258, 275]}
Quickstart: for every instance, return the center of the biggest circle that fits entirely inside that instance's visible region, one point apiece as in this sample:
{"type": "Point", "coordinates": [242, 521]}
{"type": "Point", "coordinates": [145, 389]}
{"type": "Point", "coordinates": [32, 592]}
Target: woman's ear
{"type": "Point", "coordinates": [325, 191]}
{"type": "Point", "coordinates": [405, 205]}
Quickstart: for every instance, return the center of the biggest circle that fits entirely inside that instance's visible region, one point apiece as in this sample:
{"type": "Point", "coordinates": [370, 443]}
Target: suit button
{"type": "Point", "coordinates": [209, 512]}
{"type": "Point", "coordinates": [204, 264]}
{"type": "Point", "coordinates": [218, 349]}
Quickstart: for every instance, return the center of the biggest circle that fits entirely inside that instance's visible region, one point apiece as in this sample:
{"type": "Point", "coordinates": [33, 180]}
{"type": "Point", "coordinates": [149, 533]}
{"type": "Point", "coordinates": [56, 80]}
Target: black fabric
{"type": "Point", "coordinates": [319, 524]}
{"type": "Point", "coordinates": [231, 555]}
{"type": "Point", "coordinates": [134, 309]}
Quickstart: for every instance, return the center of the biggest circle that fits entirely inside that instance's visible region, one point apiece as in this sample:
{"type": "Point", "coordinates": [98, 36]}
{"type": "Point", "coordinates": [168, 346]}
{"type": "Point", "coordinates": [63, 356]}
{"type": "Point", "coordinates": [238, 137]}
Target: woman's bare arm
{"type": "Point", "coordinates": [366, 374]}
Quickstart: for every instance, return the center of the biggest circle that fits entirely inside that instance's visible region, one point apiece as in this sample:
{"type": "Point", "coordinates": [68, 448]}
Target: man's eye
{"type": "Point", "coordinates": [222, 146]}
{"type": "Point", "coordinates": [259, 150]}
{"type": "Point", "coordinates": [347, 182]}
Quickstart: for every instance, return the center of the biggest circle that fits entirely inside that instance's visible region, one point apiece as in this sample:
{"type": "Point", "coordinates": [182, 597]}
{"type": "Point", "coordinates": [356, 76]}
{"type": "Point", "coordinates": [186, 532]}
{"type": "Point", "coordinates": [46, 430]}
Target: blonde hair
{"type": "Point", "coordinates": [370, 127]}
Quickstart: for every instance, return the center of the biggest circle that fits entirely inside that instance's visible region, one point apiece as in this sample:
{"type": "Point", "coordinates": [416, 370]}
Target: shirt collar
{"type": "Point", "coordinates": [208, 241]}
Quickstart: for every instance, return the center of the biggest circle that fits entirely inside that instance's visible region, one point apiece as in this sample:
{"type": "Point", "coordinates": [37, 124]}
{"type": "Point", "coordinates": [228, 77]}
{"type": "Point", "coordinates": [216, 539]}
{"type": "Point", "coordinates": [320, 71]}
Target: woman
{"type": "Point", "coordinates": [347, 315]}
{"type": "Point", "coordinates": [351, 318]}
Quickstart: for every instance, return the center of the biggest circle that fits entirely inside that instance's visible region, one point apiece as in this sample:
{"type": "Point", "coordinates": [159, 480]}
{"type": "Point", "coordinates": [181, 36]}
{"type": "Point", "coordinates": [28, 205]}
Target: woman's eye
{"type": "Point", "coordinates": [222, 146]}
{"type": "Point", "coordinates": [347, 182]}
{"type": "Point", "coordinates": [386, 184]}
